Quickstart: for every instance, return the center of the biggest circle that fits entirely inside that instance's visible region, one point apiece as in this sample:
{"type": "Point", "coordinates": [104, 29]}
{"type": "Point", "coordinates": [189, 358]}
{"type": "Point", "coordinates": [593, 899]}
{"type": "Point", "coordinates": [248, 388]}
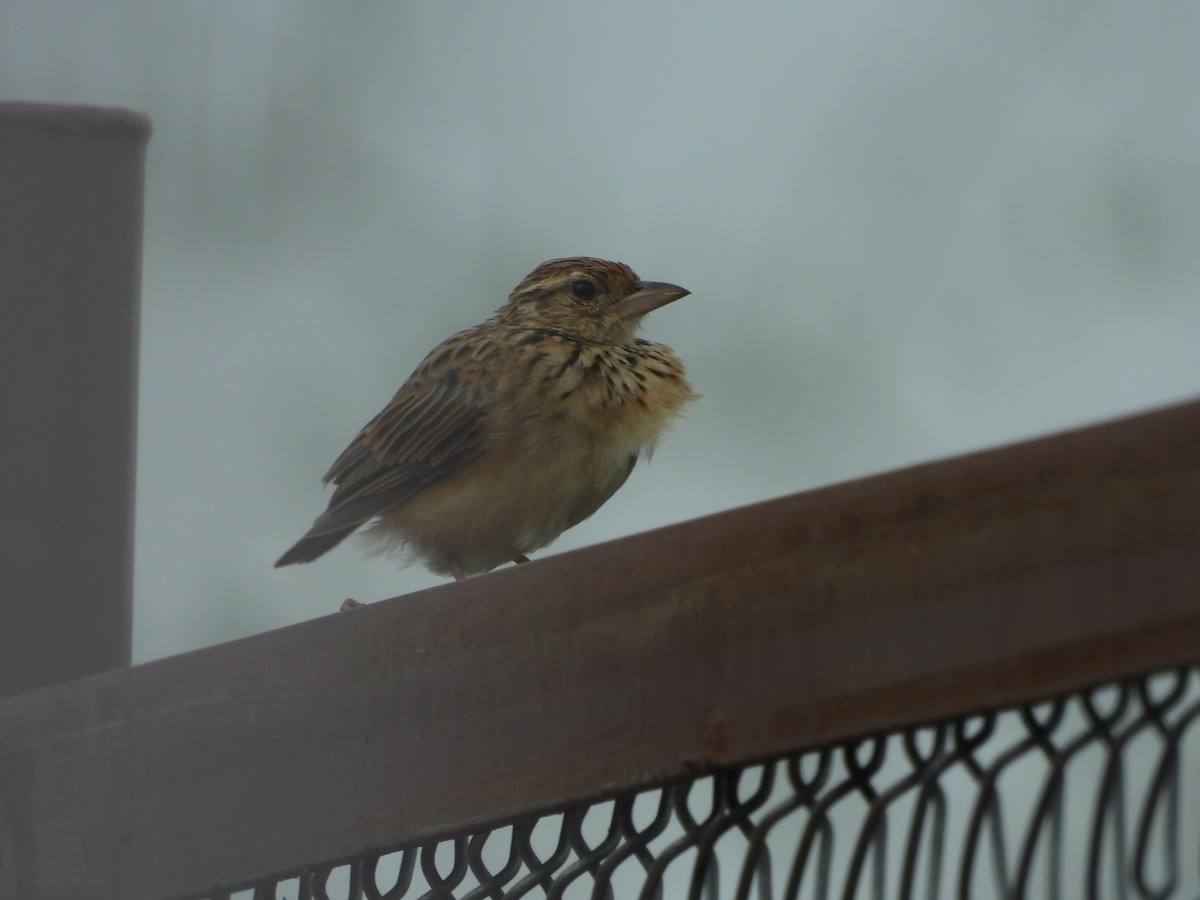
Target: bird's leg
{"type": "Point", "coordinates": [520, 559]}
{"type": "Point", "coordinates": [456, 570]}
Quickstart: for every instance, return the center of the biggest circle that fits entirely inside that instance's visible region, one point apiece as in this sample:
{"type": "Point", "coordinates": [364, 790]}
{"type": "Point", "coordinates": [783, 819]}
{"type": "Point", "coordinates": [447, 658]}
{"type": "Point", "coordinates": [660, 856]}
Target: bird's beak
{"type": "Point", "coordinates": [648, 296]}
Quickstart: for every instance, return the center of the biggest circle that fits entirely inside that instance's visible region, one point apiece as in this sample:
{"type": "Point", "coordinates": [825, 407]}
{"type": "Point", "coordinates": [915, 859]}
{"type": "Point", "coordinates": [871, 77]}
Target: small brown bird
{"type": "Point", "coordinates": [509, 433]}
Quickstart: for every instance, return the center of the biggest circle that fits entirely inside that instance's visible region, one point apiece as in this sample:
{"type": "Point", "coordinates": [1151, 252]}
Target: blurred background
{"type": "Point", "coordinates": [911, 230]}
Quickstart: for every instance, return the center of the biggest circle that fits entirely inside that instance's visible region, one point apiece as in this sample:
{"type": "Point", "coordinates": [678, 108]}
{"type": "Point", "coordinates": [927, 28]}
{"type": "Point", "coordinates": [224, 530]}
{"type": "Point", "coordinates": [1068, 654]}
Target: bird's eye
{"type": "Point", "coordinates": [583, 290]}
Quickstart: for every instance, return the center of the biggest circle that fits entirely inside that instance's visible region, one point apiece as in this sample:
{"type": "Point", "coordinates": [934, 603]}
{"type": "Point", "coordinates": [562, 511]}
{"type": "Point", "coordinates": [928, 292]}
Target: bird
{"type": "Point", "coordinates": [511, 432]}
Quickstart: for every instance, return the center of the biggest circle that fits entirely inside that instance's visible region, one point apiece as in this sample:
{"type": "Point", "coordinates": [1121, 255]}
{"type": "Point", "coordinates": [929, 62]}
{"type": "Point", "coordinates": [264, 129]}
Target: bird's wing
{"type": "Point", "coordinates": [432, 428]}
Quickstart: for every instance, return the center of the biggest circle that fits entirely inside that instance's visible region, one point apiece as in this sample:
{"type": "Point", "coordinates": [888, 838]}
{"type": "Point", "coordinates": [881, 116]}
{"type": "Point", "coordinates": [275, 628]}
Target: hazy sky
{"type": "Point", "coordinates": [911, 230]}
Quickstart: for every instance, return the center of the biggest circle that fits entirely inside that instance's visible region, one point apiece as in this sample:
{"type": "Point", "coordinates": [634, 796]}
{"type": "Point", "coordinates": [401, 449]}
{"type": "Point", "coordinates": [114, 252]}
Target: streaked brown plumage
{"type": "Point", "coordinates": [509, 433]}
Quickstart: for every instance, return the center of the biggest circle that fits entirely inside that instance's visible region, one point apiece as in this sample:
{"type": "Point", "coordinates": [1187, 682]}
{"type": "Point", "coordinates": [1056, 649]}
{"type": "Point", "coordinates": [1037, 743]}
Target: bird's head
{"type": "Point", "coordinates": [590, 298]}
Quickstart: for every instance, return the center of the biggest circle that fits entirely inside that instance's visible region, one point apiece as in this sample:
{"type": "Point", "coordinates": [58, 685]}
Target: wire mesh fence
{"type": "Point", "coordinates": [1092, 794]}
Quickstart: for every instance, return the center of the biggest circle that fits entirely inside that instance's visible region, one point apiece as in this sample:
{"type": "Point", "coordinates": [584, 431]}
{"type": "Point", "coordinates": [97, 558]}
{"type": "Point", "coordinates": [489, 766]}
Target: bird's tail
{"type": "Point", "coordinates": [312, 545]}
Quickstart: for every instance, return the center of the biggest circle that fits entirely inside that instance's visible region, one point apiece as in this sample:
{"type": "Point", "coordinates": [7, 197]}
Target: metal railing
{"type": "Point", "coordinates": [1094, 794]}
{"type": "Point", "coordinates": [824, 695]}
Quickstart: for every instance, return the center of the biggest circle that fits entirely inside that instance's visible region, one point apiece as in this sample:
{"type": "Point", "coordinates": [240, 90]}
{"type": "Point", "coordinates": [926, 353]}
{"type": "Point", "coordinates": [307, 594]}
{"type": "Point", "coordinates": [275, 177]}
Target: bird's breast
{"type": "Point", "coordinates": [614, 399]}
{"type": "Point", "coordinates": [581, 416]}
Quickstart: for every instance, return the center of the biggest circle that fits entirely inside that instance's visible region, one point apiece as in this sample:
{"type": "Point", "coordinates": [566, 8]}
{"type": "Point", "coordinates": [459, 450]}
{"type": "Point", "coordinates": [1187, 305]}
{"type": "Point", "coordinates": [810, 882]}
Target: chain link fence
{"type": "Point", "coordinates": [1092, 794]}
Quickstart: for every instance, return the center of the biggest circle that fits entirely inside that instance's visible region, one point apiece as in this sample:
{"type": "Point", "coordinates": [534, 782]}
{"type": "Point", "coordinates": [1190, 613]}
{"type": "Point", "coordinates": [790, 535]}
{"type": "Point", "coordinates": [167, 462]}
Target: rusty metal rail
{"type": "Point", "coordinates": [962, 585]}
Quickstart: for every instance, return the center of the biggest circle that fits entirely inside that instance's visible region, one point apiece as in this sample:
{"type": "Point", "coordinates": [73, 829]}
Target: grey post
{"type": "Point", "coordinates": [71, 185]}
